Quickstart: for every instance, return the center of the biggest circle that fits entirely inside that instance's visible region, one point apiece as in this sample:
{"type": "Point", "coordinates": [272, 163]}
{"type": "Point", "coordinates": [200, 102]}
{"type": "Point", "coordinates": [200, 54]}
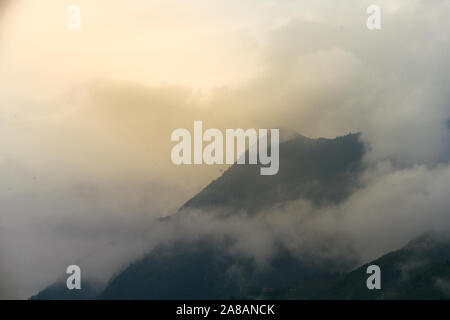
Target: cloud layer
{"type": "Point", "coordinates": [85, 123]}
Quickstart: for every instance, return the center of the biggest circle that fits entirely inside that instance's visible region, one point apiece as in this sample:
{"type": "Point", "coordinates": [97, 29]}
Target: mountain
{"type": "Point", "coordinates": [322, 171]}
{"type": "Point", "coordinates": [202, 270]}
{"type": "Point", "coordinates": [59, 291]}
{"type": "Point", "coordinates": [420, 270]}
{"type": "Point", "coordinates": [205, 269]}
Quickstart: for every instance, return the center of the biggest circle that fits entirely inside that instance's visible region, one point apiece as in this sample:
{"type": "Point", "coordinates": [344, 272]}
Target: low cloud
{"type": "Point", "coordinates": [86, 174]}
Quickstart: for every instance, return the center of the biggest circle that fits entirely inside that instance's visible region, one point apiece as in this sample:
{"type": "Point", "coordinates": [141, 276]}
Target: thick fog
{"type": "Point", "coordinates": [85, 161]}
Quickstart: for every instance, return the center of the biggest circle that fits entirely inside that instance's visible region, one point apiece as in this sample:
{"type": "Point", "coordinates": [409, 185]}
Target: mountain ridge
{"type": "Point", "coordinates": [205, 269]}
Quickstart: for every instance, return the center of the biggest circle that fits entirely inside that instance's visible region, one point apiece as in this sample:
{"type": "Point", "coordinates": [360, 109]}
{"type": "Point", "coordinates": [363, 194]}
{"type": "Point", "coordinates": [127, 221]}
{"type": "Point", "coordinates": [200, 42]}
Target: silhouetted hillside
{"type": "Point", "coordinates": [59, 291]}
{"type": "Point", "coordinates": [202, 270]}
{"type": "Point", "coordinates": [320, 170]}
{"type": "Point", "coordinates": [420, 270]}
{"type": "Point", "coordinates": [323, 171]}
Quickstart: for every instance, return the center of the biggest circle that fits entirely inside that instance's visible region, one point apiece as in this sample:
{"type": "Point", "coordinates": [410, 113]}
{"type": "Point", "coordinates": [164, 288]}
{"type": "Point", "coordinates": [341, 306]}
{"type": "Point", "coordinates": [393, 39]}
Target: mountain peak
{"type": "Point", "coordinates": [322, 171]}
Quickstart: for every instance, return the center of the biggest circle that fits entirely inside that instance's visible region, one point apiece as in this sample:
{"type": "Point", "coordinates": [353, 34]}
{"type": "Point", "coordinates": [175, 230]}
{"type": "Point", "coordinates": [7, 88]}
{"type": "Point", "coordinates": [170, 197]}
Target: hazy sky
{"type": "Point", "coordinates": [86, 115]}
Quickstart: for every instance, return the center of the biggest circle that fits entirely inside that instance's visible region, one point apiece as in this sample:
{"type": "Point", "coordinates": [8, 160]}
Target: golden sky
{"type": "Point", "coordinates": [111, 93]}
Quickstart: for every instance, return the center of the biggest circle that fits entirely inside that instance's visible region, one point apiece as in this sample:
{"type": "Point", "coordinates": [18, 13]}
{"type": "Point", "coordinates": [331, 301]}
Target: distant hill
{"type": "Point", "coordinates": [420, 270]}
{"type": "Point", "coordinates": [323, 171]}
{"type": "Point", "coordinates": [59, 291]}
{"type": "Point", "coordinates": [202, 270]}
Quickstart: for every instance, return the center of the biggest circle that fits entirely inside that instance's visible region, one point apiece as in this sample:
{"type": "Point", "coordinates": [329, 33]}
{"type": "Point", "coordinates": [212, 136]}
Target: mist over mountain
{"type": "Point", "coordinates": [294, 235]}
{"type": "Point", "coordinates": [207, 270]}
{"type": "Point", "coordinates": [208, 266]}
{"type": "Point", "coordinates": [420, 270]}
{"type": "Point", "coordinates": [85, 131]}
